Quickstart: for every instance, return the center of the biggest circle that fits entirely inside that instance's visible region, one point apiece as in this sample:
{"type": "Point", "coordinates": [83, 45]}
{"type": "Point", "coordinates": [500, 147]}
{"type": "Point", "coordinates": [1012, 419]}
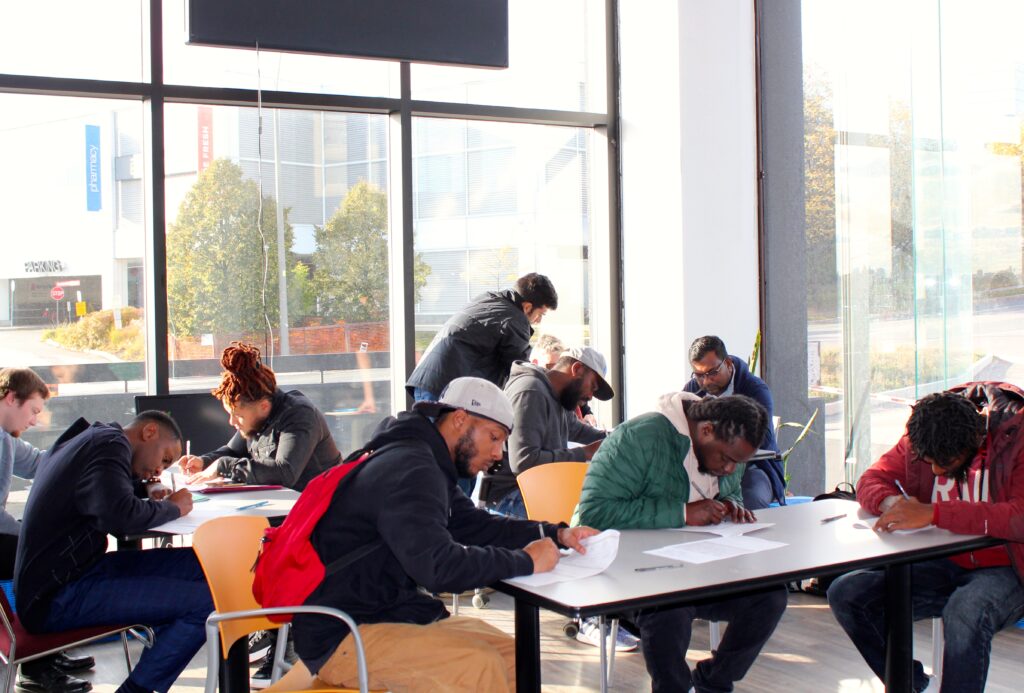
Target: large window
{"type": "Point", "coordinates": [276, 224]}
{"type": "Point", "coordinates": [73, 243]}
{"type": "Point", "coordinates": [914, 198]}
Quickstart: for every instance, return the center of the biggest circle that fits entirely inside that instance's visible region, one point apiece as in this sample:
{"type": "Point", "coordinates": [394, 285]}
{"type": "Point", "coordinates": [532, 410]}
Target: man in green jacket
{"type": "Point", "coordinates": [682, 465]}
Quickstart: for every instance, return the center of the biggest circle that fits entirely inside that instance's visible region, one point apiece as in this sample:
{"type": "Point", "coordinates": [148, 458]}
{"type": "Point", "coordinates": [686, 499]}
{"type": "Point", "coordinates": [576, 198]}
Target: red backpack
{"type": "Point", "coordinates": [288, 568]}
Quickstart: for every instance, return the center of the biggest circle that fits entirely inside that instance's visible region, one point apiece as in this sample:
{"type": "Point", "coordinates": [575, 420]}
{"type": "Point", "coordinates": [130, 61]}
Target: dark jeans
{"type": "Point", "coordinates": [665, 637]}
{"type": "Point", "coordinates": [161, 588]}
{"type": "Point", "coordinates": [757, 489]}
{"type": "Point", "coordinates": [974, 606]}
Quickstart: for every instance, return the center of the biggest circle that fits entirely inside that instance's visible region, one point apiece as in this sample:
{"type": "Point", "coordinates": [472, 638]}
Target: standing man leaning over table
{"type": "Point", "coordinates": [402, 523]}
{"type": "Point", "coordinates": [961, 465]}
{"type": "Point", "coordinates": [88, 487]}
{"type": "Point", "coordinates": [716, 374]}
{"type": "Point", "coordinates": [282, 437]}
{"type": "Point", "coordinates": [682, 465]}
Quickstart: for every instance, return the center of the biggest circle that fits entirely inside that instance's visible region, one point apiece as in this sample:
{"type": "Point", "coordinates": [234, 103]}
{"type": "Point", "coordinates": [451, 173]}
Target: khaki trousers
{"type": "Point", "coordinates": [455, 654]}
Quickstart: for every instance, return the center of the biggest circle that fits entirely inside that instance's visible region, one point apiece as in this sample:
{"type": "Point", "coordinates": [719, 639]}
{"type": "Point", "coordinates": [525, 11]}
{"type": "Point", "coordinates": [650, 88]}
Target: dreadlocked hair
{"type": "Point", "coordinates": [943, 426]}
{"type": "Point", "coordinates": [244, 379]}
{"type": "Point", "coordinates": [735, 416]}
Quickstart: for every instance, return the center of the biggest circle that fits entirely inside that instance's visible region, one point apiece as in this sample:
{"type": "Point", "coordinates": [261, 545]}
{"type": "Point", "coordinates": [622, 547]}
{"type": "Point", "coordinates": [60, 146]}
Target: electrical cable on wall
{"type": "Point", "coordinates": [268, 345]}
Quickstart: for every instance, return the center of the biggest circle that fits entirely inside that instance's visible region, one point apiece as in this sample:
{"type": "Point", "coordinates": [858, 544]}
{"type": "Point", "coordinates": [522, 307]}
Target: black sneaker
{"type": "Point", "coordinates": [260, 644]}
{"type": "Point", "coordinates": [261, 677]}
{"type": "Point", "coordinates": [48, 679]}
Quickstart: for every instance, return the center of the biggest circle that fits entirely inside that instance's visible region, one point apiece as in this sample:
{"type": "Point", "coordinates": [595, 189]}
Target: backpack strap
{"type": "Point", "coordinates": [366, 549]}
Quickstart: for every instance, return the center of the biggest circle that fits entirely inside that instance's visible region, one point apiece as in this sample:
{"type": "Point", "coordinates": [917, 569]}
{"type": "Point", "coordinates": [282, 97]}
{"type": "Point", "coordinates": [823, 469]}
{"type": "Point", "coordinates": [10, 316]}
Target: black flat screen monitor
{"type": "Point", "coordinates": [200, 415]}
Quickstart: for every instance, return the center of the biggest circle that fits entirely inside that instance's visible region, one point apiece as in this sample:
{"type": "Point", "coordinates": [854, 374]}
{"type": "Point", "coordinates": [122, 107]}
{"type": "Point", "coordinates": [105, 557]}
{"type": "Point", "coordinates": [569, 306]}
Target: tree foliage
{"type": "Point", "coordinates": [350, 262]}
{"type": "Point", "coordinates": [215, 256]}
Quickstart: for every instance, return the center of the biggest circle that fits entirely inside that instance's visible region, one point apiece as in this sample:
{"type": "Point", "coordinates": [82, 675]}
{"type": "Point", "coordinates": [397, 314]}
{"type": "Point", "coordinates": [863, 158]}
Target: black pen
{"type": "Point", "coordinates": [833, 518]}
{"type": "Point", "coordinates": [658, 567]}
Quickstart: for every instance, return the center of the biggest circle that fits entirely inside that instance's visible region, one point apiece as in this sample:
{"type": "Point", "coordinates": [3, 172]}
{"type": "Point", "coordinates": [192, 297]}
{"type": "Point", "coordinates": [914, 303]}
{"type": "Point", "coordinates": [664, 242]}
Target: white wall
{"type": "Point", "coordinates": [688, 186]}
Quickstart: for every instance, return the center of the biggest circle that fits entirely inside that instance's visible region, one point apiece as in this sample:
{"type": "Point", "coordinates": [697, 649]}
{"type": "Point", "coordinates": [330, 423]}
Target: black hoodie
{"type": "Point", "coordinates": [429, 534]}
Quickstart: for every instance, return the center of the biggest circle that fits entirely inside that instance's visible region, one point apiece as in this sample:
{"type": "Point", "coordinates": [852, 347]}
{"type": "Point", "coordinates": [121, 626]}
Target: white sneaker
{"type": "Point", "coordinates": [590, 634]}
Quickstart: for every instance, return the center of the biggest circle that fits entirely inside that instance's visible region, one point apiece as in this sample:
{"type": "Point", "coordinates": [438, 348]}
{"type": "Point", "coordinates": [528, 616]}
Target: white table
{"type": "Point", "coordinates": [812, 548]}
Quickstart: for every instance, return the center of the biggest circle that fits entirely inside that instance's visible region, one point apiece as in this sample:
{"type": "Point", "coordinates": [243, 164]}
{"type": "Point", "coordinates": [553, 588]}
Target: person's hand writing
{"type": "Point", "coordinates": [705, 512]}
{"type": "Point", "coordinates": [572, 537]}
{"type": "Point", "coordinates": [738, 513]}
{"type": "Point", "coordinates": [207, 476]}
{"type": "Point", "coordinates": [182, 499]}
{"type": "Point", "coordinates": [544, 554]}
{"type": "Point", "coordinates": [591, 449]}
{"type": "Point", "coordinates": [190, 464]}
{"type": "Point", "coordinates": [905, 514]}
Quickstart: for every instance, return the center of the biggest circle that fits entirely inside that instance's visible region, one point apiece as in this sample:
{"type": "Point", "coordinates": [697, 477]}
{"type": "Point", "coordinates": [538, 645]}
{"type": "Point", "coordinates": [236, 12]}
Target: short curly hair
{"type": "Point", "coordinates": [943, 426]}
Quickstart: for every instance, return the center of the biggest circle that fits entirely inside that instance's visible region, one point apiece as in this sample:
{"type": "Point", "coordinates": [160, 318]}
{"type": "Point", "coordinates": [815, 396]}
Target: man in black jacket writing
{"type": "Point", "coordinates": [421, 531]}
{"type": "Point", "coordinates": [65, 579]}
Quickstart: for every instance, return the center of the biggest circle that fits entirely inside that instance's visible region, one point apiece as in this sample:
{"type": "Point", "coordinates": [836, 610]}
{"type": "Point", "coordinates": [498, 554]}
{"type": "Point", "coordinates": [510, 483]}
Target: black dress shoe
{"type": "Point", "coordinates": [51, 680]}
{"type": "Point", "coordinates": [67, 661]}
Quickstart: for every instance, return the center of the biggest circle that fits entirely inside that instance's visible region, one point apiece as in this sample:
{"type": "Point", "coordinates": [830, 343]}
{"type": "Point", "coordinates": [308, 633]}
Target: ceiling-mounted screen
{"type": "Point", "coordinates": [456, 32]}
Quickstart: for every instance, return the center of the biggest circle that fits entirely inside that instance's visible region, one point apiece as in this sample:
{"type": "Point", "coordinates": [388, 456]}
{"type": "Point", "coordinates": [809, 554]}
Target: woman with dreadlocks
{"type": "Point", "coordinates": [281, 437]}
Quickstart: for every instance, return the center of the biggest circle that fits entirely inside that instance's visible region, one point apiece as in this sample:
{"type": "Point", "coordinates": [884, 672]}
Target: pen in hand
{"type": "Point", "coordinates": [900, 487]}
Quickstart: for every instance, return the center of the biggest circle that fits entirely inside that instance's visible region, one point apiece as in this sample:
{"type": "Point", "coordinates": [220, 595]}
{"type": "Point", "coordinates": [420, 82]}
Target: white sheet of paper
{"type": "Point", "coordinates": [715, 549]}
{"type": "Point", "coordinates": [601, 551]}
{"type": "Point", "coordinates": [728, 529]}
{"type": "Point", "coordinates": [201, 512]}
{"type": "Point", "coordinates": [864, 525]}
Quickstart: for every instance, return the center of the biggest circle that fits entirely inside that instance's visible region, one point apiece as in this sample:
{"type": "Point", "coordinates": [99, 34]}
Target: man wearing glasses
{"type": "Point", "coordinates": [718, 374]}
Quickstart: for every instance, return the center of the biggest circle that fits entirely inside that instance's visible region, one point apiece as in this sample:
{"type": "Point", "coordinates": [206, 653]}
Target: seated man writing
{"type": "Point", "coordinates": [282, 437]}
{"type": "Point", "coordinates": [961, 465]}
{"type": "Point", "coordinates": [544, 403]}
{"type": "Point", "coordinates": [403, 505]}
{"type": "Point", "coordinates": [64, 577]}
{"type": "Point", "coordinates": [716, 374]}
{"type": "Point", "coordinates": [682, 465]}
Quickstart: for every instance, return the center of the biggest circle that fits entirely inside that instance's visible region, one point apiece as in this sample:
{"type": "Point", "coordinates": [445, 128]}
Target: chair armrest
{"type": "Point", "coordinates": [213, 641]}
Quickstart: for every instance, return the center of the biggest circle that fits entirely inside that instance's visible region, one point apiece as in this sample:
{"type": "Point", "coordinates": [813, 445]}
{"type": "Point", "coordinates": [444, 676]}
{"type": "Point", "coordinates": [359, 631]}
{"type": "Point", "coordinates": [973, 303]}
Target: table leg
{"type": "Point", "coordinates": [899, 626]}
{"type": "Point", "coordinates": [527, 648]}
{"type": "Point", "coordinates": [234, 669]}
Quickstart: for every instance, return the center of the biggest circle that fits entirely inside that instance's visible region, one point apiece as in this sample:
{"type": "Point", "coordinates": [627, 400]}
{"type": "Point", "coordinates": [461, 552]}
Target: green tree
{"type": "Point", "coordinates": [219, 271]}
{"type": "Point", "coordinates": [301, 293]}
{"type": "Point", "coordinates": [820, 198]}
{"type": "Point", "coordinates": [351, 259]}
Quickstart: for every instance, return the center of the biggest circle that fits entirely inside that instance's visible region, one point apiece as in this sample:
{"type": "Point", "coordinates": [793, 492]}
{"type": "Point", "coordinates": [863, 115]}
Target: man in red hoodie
{"type": "Point", "coordinates": [960, 466]}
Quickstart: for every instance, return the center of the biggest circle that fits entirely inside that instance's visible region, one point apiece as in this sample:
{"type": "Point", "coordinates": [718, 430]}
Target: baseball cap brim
{"type": "Point", "coordinates": [604, 390]}
{"type": "Point", "coordinates": [435, 409]}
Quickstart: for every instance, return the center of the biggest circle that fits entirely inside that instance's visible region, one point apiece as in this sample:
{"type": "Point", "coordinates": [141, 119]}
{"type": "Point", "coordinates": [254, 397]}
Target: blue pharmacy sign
{"type": "Point", "coordinates": [93, 182]}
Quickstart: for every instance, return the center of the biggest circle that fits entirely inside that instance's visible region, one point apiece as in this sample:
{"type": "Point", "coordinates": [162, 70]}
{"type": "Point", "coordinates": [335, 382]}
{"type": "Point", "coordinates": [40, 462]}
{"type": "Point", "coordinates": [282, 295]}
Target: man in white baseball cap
{"type": "Point", "coordinates": [409, 524]}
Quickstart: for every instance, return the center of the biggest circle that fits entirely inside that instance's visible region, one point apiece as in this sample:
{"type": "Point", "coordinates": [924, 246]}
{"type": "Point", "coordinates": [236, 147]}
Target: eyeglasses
{"type": "Point", "coordinates": [709, 373]}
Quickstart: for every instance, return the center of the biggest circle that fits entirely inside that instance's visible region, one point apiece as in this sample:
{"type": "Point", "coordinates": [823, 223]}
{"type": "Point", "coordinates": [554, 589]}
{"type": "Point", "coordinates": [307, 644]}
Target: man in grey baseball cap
{"type": "Point", "coordinates": [412, 527]}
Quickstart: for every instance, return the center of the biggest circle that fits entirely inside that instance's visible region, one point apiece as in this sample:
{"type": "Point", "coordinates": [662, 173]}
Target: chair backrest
{"type": "Point", "coordinates": [552, 491]}
{"type": "Point", "coordinates": [227, 548]}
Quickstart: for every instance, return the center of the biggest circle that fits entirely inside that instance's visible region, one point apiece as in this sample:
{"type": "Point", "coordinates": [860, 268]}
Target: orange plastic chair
{"type": "Point", "coordinates": [227, 548]}
{"type": "Point", "coordinates": [552, 491]}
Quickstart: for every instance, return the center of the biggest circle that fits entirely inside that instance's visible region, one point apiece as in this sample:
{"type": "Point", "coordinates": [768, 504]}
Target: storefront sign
{"type": "Point", "coordinates": [44, 266]}
{"type": "Point", "coordinates": [93, 181]}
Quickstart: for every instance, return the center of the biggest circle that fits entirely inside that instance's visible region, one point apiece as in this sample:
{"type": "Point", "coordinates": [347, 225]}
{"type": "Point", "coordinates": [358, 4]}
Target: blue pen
{"type": "Point", "coordinates": [252, 505]}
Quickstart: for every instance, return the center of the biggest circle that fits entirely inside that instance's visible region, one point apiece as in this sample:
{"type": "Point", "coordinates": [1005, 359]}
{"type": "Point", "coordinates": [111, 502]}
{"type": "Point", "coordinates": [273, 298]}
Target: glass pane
{"type": "Point", "coordinates": [556, 60]}
{"type": "Point", "coordinates": [71, 272]}
{"type": "Point", "coordinates": [914, 199]}
{"type": "Point", "coordinates": [207, 66]}
{"type": "Point", "coordinates": [314, 186]}
{"type": "Point", "coordinates": [61, 38]}
{"type": "Point", "coordinates": [495, 201]}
